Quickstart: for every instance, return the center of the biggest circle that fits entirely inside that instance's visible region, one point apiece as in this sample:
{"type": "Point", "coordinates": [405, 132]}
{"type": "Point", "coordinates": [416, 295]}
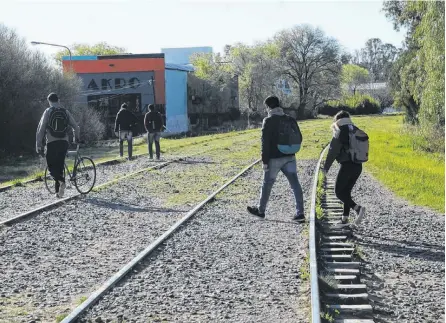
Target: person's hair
{"type": "Point", "coordinates": [341, 114]}
{"type": "Point", "coordinates": [124, 106]}
{"type": "Point", "coordinates": [272, 102]}
{"type": "Point", "coordinates": [52, 97]}
{"type": "Point", "coordinates": [151, 107]}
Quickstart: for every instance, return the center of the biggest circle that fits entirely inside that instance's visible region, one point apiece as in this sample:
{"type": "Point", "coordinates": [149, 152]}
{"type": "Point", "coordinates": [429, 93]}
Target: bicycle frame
{"type": "Point", "coordinates": [76, 159]}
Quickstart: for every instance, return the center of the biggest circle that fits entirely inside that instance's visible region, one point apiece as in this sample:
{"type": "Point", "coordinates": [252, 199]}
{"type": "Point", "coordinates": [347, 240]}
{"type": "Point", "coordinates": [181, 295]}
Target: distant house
{"type": "Point", "coordinates": [372, 86]}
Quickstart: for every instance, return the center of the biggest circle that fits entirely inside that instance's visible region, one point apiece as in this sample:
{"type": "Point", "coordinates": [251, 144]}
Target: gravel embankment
{"type": "Point", "coordinates": [31, 196]}
{"type": "Point", "coordinates": [403, 249]}
{"type": "Point", "coordinates": [49, 261]}
{"type": "Point", "coordinates": [224, 265]}
{"type": "Point", "coordinates": [25, 198]}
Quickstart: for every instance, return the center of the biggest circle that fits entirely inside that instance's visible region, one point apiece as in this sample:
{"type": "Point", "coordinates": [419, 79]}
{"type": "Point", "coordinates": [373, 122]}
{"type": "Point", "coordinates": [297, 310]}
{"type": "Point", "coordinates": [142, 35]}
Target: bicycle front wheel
{"type": "Point", "coordinates": [84, 174]}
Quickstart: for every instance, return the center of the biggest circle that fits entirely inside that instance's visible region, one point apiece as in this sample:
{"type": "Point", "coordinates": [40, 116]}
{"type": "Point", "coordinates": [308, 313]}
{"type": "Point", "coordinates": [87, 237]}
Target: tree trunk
{"type": "Point", "coordinates": [301, 111]}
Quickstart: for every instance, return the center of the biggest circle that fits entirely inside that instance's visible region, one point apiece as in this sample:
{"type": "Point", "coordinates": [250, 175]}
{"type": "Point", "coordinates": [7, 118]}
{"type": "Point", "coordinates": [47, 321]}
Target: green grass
{"type": "Point", "coordinates": [59, 318]}
{"type": "Point", "coordinates": [414, 175]}
{"type": "Point", "coordinates": [304, 269]}
{"type": "Point", "coordinates": [194, 184]}
{"type": "Point", "coordinates": [411, 174]}
{"type": "Point", "coordinates": [319, 195]}
{"type": "Point", "coordinates": [81, 300]}
{"type": "Point", "coordinates": [27, 168]}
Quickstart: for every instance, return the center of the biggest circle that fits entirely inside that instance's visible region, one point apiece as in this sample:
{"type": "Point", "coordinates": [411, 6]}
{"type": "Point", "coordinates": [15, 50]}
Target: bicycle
{"type": "Point", "coordinates": [84, 172]}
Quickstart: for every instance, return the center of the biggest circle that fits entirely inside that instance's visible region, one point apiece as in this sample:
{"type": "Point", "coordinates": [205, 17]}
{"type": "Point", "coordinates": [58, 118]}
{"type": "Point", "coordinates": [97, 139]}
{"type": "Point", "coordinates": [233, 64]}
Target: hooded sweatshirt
{"type": "Point", "coordinates": [270, 129]}
{"type": "Point", "coordinates": [43, 124]}
{"type": "Point", "coordinates": [340, 142]}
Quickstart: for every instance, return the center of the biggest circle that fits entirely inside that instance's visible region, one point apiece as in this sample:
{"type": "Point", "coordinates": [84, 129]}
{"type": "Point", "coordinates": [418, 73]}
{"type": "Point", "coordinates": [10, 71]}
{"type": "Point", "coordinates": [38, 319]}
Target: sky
{"type": "Point", "coordinates": [145, 26]}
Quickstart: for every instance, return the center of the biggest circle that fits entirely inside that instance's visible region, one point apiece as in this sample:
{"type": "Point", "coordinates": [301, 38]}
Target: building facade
{"type": "Point", "coordinates": [143, 79]}
{"type": "Point", "coordinates": [108, 81]}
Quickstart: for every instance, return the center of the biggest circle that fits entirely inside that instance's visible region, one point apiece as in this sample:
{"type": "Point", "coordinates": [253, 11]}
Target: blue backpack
{"type": "Point", "coordinates": [289, 136]}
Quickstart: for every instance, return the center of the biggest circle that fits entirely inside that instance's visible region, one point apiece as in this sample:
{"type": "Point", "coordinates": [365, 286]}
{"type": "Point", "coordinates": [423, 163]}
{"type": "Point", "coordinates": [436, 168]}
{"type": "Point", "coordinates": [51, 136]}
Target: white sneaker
{"type": "Point", "coordinates": [61, 190]}
{"type": "Point", "coordinates": [361, 214]}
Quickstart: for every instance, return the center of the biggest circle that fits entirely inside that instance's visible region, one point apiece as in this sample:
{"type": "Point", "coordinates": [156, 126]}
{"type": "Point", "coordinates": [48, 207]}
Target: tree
{"type": "Point", "coordinates": [216, 80]}
{"type": "Point", "coordinates": [417, 79]}
{"type": "Point", "coordinates": [101, 48]}
{"type": "Point", "coordinates": [26, 79]}
{"type": "Point", "coordinates": [377, 58]}
{"type": "Point", "coordinates": [311, 60]}
{"type": "Point", "coordinates": [353, 75]}
{"type": "Point", "coordinates": [420, 74]}
{"type": "Point", "coordinates": [258, 73]}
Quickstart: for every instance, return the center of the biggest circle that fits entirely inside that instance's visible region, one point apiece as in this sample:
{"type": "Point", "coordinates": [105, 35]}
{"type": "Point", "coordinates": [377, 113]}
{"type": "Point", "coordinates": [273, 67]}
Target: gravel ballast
{"type": "Point", "coordinates": [49, 261]}
{"type": "Point", "coordinates": [33, 195]}
{"type": "Point", "coordinates": [25, 198]}
{"type": "Point", "coordinates": [224, 265]}
{"type": "Point", "coordinates": [402, 247]}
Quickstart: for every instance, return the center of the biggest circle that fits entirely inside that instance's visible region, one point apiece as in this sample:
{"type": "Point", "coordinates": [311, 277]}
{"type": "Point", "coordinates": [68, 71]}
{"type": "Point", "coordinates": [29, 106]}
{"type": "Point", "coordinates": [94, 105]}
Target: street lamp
{"type": "Point", "coordinates": [56, 45]}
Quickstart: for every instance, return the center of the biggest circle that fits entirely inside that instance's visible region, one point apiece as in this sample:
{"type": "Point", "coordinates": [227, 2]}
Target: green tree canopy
{"type": "Point", "coordinates": [352, 76]}
{"type": "Point", "coordinates": [101, 48]}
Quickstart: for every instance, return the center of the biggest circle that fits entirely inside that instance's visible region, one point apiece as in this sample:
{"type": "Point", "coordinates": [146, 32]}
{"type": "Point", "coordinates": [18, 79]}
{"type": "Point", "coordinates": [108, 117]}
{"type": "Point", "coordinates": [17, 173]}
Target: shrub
{"type": "Point", "coordinates": [89, 120]}
{"type": "Point", "coordinates": [426, 138]}
{"type": "Point", "coordinates": [354, 104]}
{"type": "Point", "coordinates": [26, 79]}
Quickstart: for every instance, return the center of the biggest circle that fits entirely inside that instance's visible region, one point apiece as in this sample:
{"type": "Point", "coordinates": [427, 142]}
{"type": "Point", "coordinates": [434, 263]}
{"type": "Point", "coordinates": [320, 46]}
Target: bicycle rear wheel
{"type": "Point", "coordinates": [49, 180]}
{"type": "Point", "coordinates": [84, 174]}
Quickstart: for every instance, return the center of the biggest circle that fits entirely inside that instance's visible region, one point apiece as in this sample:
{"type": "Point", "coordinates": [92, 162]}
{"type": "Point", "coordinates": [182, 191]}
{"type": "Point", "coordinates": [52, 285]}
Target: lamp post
{"type": "Point", "coordinates": [56, 45]}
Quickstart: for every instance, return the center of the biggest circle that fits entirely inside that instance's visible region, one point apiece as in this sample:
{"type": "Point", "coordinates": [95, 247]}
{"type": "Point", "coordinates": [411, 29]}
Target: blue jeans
{"type": "Point", "coordinates": [288, 167]}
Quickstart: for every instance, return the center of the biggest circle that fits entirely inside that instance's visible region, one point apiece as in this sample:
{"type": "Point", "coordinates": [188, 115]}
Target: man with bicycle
{"type": "Point", "coordinates": [54, 124]}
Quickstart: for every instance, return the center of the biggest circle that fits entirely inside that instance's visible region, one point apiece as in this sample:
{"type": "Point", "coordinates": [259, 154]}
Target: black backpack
{"type": "Point", "coordinates": [289, 136]}
{"type": "Point", "coordinates": [58, 122]}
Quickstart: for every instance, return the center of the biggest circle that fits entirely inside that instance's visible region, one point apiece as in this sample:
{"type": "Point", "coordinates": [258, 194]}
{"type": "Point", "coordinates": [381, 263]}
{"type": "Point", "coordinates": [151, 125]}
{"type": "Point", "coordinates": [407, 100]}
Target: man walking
{"type": "Point", "coordinates": [124, 122]}
{"type": "Point", "coordinates": [281, 139]}
{"type": "Point", "coordinates": [54, 124]}
{"type": "Point", "coordinates": [153, 122]}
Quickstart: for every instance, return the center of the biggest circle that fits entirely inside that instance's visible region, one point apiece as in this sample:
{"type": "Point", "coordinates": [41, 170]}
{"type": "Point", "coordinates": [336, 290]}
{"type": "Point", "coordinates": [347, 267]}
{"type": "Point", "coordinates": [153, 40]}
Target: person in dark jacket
{"type": "Point", "coordinates": [349, 171]}
{"type": "Point", "coordinates": [125, 120]}
{"type": "Point", "coordinates": [56, 147]}
{"type": "Point", "coordinates": [274, 161]}
{"type": "Point", "coordinates": [153, 122]}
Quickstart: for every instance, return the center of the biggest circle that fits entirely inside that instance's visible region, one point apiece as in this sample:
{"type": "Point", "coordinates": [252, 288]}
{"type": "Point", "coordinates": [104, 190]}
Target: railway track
{"type": "Point", "coordinates": [4, 188]}
{"type": "Point", "coordinates": [337, 294]}
{"type": "Point", "coordinates": [128, 269]}
{"type": "Point", "coordinates": [56, 203]}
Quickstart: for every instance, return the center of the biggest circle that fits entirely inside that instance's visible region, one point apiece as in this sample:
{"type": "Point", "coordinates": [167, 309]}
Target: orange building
{"type": "Point", "coordinates": [110, 80]}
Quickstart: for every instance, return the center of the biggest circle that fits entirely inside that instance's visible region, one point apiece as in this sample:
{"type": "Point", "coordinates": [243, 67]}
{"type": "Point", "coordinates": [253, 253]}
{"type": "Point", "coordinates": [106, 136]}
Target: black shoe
{"type": "Point", "coordinates": [344, 219]}
{"type": "Point", "coordinates": [56, 186]}
{"type": "Point", "coordinates": [255, 211]}
{"type": "Point", "coordinates": [299, 218]}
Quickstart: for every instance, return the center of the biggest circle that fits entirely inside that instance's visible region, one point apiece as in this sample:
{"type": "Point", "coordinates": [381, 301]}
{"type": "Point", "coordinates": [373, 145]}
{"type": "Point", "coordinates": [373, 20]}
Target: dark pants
{"type": "Point", "coordinates": [154, 136]}
{"type": "Point", "coordinates": [346, 179]}
{"type": "Point", "coordinates": [55, 159]}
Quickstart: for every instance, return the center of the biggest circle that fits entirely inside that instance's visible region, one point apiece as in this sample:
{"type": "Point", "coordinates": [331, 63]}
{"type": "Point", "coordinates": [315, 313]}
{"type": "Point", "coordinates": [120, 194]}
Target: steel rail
{"type": "Point", "coordinates": [314, 283]}
{"type": "Point", "coordinates": [104, 163]}
{"type": "Point", "coordinates": [54, 204]}
{"type": "Point", "coordinates": [95, 296]}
